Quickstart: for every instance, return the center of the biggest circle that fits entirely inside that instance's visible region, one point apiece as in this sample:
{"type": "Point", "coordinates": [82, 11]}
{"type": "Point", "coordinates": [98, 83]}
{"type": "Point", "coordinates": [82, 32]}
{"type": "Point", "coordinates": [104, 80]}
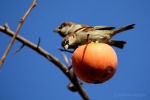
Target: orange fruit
{"type": "Point", "coordinates": [94, 62]}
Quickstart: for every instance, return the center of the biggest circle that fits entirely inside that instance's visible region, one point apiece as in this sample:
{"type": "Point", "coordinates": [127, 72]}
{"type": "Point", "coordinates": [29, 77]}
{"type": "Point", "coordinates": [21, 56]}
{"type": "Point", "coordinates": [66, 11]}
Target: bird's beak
{"type": "Point", "coordinates": [56, 30]}
{"type": "Point", "coordinates": [66, 46]}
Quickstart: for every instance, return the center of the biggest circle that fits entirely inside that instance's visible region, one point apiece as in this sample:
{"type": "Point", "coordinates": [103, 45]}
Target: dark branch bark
{"type": "Point", "coordinates": [71, 76]}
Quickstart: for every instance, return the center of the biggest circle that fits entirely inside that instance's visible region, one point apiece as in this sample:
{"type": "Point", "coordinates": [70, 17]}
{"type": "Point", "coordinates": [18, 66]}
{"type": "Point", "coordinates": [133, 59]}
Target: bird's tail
{"type": "Point", "coordinates": [117, 43]}
{"type": "Point", "coordinates": [123, 29]}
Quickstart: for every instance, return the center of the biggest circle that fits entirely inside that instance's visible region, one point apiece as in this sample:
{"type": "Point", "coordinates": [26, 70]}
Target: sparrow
{"type": "Point", "coordinates": [86, 35]}
{"type": "Point", "coordinates": [67, 28]}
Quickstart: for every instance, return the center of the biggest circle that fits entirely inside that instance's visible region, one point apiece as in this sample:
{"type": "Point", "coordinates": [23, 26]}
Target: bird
{"type": "Point", "coordinates": [67, 28]}
{"type": "Point", "coordinates": [86, 35]}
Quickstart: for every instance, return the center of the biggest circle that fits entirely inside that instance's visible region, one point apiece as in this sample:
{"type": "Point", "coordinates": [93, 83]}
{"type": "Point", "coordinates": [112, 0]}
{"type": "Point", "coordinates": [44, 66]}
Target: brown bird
{"type": "Point", "coordinates": [87, 34]}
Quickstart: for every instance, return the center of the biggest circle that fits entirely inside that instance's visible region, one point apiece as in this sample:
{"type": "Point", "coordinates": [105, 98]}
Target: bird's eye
{"type": "Point", "coordinates": [67, 41]}
{"type": "Point", "coordinates": [61, 26]}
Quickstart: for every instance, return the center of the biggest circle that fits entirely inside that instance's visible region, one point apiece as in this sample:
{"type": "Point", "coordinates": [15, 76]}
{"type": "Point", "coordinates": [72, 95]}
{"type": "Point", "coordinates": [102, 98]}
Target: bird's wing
{"type": "Point", "coordinates": [91, 28]}
{"type": "Point", "coordinates": [103, 27]}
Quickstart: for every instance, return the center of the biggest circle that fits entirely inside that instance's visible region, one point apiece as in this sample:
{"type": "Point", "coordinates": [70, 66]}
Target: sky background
{"type": "Point", "coordinates": [28, 76]}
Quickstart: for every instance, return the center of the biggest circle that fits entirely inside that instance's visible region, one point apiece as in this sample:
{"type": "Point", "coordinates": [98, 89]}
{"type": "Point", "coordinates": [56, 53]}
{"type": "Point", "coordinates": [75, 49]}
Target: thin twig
{"type": "Point", "coordinates": [67, 62]}
{"type": "Point", "coordinates": [6, 26]}
{"type": "Point", "coordinates": [39, 41]}
{"type": "Point", "coordinates": [65, 50]}
{"type": "Point", "coordinates": [16, 33]}
{"type": "Point", "coordinates": [54, 60]}
{"type": "Point", "coordinates": [66, 59]}
{"type": "Point", "coordinates": [88, 38]}
{"type": "Point", "coordinates": [19, 49]}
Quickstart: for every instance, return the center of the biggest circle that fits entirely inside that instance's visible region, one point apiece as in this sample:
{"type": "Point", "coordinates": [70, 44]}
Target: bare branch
{"type": "Point", "coordinates": [17, 31]}
{"type": "Point", "coordinates": [71, 76]}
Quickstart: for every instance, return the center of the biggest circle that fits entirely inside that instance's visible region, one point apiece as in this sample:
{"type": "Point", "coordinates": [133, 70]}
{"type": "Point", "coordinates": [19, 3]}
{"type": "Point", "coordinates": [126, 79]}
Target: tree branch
{"type": "Point", "coordinates": [17, 31]}
{"type": "Point", "coordinates": [71, 76]}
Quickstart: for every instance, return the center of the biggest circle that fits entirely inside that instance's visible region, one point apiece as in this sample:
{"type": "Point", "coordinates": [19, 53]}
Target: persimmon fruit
{"type": "Point", "coordinates": [94, 62]}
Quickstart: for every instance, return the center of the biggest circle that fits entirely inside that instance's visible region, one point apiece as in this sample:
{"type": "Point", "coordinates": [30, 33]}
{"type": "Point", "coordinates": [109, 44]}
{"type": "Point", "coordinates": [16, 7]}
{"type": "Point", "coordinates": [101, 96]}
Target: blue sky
{"type": "Point", "coordinates": [28, 76]}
